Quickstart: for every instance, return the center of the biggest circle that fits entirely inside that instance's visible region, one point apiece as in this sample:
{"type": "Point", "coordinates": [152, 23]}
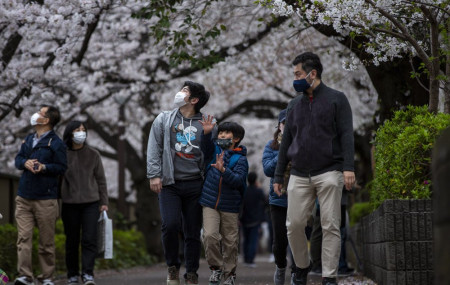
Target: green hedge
{"type": "Point", "coordinates": [129, 250]}
{"type": "Point", "coordinates": [403, 154]}
{"type": "Point", "coordinates": [359, 210]}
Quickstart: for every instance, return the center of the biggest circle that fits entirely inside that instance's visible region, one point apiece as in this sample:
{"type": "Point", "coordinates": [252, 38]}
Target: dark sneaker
{"type": "Point", "coordinates": [173, 275]}
{"type": "Point", "coordinates": [47, 282]}
{"type": "Point", "coordinates": [316, 272]}
{"type": "Point", "coordinates": [230, 280]}
{"type": "Point", "coordinates": [87, 279]}
{"type": "Point", "coordinates": [346, 271]}
{"type": "Point", "coordinates": [300, 276]}
{"type": "Point", "coordinates": [329, 281]}
{"type": "Point", "coordinates": [216, 276]}
{"type": "Point", "coordinates": [191, 278]}
{"type": "Point", "coordinates": [23, 280]}
{"type": "Point", "coordinates": [279, 276]}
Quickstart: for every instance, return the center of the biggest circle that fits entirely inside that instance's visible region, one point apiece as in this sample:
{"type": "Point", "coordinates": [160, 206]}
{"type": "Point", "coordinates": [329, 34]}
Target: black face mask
{"type": "Point", "coordinates": [224, 143]}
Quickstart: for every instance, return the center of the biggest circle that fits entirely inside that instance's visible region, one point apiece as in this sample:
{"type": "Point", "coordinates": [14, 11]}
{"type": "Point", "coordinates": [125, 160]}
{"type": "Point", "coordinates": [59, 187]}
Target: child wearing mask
{"type": "Point", "coordinates": [223, 191]}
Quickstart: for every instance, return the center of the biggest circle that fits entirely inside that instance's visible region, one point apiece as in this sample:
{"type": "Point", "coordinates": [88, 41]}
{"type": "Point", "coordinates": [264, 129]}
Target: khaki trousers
{"type": "Point", "coordinates": [221, 239]}
{"type": "Point", "coordinates": [302, 192]}
{"type": "Point", "coordinates": [43, 214]}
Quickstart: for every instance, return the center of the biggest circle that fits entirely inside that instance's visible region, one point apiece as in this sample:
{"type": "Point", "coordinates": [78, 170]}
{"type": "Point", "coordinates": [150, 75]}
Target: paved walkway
{"type": "Point", "coordinates": [156, 275]}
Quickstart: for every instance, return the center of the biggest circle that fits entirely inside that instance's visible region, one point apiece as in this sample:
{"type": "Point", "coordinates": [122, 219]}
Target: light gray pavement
{"type": "Point", "coordinates": [156, 275]}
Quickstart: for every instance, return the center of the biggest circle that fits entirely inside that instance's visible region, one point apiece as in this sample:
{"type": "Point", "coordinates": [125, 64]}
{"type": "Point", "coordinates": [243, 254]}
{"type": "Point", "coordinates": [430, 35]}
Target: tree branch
{"type": "Point", "coordinates": [422, 54]}
{"type": "Point", "coordinates": [89, 31]}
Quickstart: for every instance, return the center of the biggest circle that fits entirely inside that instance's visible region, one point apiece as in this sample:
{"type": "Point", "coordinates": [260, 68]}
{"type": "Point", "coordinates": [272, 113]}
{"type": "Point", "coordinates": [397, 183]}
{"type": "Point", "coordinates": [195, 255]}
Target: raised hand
{"type": "Point", "coordinates": [219, 162]}
{"type": "Point", "coordinates": [208, 124]}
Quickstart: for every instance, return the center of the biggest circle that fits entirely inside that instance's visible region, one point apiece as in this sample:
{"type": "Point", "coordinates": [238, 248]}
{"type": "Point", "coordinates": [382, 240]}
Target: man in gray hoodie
{"type": "Point", "coordinates": [175, 166]}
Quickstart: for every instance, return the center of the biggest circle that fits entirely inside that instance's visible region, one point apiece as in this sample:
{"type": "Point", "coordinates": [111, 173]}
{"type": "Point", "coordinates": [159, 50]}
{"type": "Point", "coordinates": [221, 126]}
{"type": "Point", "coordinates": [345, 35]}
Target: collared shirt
{"type": "Point", "coordinates": [36, 139]}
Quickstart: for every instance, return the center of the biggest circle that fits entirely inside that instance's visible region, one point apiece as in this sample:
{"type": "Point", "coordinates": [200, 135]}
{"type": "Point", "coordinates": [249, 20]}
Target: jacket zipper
{"type": "Point", "coordinates": [220, 190]}
{"type": "Point", "coordinates": [309, 128]}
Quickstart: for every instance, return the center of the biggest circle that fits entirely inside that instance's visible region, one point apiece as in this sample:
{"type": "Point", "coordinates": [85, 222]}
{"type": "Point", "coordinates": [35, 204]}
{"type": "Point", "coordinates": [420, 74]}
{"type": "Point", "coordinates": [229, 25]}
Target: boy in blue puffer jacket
{"type": "Point", "coordinates": [223, 190]}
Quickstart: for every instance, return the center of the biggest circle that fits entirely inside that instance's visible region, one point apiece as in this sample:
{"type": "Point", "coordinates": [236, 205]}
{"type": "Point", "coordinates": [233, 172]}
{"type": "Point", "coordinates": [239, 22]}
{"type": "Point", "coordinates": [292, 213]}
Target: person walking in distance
{"type": "Point", "coordinates": [222, 195]}
{"type": "Point", "coordinates": [318, 141]}
{"type": "Point", "coordinates": [84, 196]}
{"type": "Point", "coordinates": [174, 167]}
{"type": "Point", "coordinates": [278, 204]}
{"type": "Point", "coordinates": [252, 217]}
{"type": "Point", "coordinates": [42, 158]}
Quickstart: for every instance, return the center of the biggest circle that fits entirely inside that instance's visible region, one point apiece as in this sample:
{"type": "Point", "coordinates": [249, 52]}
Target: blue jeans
{"type": "Point", "coordinates": [251, 235]}
{"type": "Point", "coordinates": [180, 210]}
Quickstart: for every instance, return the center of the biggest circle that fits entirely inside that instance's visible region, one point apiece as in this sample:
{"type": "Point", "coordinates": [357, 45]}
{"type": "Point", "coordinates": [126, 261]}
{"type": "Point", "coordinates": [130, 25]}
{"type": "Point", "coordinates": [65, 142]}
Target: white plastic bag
{"type": "Point", "coordinates": [105, 236]}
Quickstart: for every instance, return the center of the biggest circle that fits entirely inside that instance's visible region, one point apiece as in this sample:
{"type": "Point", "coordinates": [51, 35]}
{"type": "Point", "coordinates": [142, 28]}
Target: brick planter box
{"type": "Point", "coordinates": [397, 243]}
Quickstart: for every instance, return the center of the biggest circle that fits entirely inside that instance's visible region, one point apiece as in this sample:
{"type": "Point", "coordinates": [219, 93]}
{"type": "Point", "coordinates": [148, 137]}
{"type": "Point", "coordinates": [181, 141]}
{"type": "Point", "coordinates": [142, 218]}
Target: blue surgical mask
{"type": "Point", "coordinates": [301, 85]}
{"type": "Point", "coordinates": [224, 143]}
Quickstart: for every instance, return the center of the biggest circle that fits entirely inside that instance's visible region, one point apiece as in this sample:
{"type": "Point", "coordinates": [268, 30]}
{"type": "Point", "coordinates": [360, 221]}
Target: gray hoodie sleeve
{"type": "Point", "coordinates": [155, 148]}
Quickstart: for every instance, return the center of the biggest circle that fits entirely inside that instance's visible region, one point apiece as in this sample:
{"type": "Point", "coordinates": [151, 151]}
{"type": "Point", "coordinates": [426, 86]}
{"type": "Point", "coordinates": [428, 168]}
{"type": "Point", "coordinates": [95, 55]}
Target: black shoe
{"type": "Point", "coordinates": [329, 281]}
{"type": "Point", "coordinates": [300, 276]}
{"type": "Point", "coordinates": [346, 271]}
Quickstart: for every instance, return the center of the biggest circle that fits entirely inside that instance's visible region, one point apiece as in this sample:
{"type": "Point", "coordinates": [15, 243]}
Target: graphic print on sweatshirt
{"type": "Point", "coordinates": [185, 136]}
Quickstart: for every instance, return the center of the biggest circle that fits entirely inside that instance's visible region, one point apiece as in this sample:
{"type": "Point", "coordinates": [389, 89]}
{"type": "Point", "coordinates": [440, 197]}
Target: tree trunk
{"type": "Point", "coordinates": [447, 74]}
{"type": "Point", "coordinates": [395, 87]}
{"type": "Point", "coordinates": [434, 69]}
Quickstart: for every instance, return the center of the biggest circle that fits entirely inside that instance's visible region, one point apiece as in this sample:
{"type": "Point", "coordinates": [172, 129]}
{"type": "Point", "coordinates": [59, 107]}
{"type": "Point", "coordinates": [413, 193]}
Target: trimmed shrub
{"type": "Point", "coordinates": [359, 210]}
{"type": "Point", "coordinates": [403, 154]}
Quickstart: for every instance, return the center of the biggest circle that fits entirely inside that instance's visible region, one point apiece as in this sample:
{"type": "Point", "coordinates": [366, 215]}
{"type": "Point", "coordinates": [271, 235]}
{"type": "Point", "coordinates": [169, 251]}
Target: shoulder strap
{"type": "Point", "coordinates": [233, 160]}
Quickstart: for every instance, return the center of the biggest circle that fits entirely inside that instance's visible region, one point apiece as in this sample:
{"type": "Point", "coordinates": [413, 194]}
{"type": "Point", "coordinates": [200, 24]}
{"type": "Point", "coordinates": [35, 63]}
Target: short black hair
{"type": "Point", "coordinates": [197, 90]}
{"type": "Point", "coordinates": [309, 62]}
{"type": "Point", "coordinates": [252, 178]}
{"type": "Point", "coordinates": [71, 126]}
{"type": "Point", "coordinates": [237, 130]}
{"type": "Point", "coordinates": [52, 114]}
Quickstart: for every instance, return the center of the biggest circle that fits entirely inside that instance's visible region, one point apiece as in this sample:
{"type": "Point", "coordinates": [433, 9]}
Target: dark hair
{"type": "Point", "coordinates": [71, 126]}
{"type": "Point", "coordinates": [236, 129]}
{"type": "Point", "coordinates": [252, 178]}
{"type": "Point", "coordinates": [309, 62]}
{"type": "Point", "coordinates": [275, 145]}
{"type": "Point", "coordinates": [52, 114]}
{"type": "Point", "coordinates": [198, 91]}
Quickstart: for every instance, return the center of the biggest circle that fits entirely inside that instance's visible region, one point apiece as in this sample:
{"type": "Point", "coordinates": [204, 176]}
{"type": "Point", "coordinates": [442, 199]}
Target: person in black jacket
{"type": "Point", "coordinates": [42, 157]}
{"type": "Point", "coordinates": [318, 141]}
{"type": "Point", "coordinates": [252, 217]}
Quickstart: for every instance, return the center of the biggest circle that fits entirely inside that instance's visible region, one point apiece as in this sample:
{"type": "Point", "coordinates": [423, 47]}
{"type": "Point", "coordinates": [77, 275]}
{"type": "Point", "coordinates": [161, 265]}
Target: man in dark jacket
{"type": "Point", "coordinates": [318, 140]}
{"type": "Point", "coordinates": [252, 217]}
{"type": "Point", "coordinates": [42, 157]}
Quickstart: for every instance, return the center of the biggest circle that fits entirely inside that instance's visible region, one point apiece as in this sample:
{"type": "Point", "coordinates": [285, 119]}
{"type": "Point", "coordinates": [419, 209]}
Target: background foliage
{"type": "Point", "coordinates": [129, 250]}
{"type": "Point", "coordinates": [403, 154]}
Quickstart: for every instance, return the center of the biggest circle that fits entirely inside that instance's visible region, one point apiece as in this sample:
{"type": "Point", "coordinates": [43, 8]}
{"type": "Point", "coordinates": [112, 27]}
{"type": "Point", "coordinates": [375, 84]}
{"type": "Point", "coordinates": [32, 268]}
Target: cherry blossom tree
{"type": "Point", "coordinates": [104, 63]}
{"type": "Point", "coordinates": [385, 30]}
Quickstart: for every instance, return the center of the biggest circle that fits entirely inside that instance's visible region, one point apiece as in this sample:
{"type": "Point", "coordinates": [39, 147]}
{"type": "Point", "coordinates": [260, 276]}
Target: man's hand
{"type": "Point", "coordinates": [208, 124]}
{"type": "Point", "coordinates": [29, 164]}
{"type": "Point", "coordinates": [277, 188]}
{"type": "Point", "coordinates": [349, 179]}
{"type": "Point", "coordinates": [104, 208]}
{"type": "Point", "coordinates": [156, 185]}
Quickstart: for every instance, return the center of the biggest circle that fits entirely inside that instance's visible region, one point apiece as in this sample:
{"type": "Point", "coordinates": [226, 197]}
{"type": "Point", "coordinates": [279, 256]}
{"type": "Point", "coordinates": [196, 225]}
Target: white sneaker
{"type": "Point", "coordinates": [23, 280]}
{"type": "Point", "coordinates": [47, 282]}
{"type": "Point", "coordinates": [87, 279]}
{"type": "Point", "coordinates": [72, 280]}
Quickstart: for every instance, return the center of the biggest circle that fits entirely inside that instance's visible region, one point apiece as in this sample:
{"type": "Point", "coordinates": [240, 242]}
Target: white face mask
{"type": "Point", "coordinates": [179, 99]}
{"type": "Point", "coordinates": [33, 119]}
{"type": "Point", "coordinates": [79, 137]}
